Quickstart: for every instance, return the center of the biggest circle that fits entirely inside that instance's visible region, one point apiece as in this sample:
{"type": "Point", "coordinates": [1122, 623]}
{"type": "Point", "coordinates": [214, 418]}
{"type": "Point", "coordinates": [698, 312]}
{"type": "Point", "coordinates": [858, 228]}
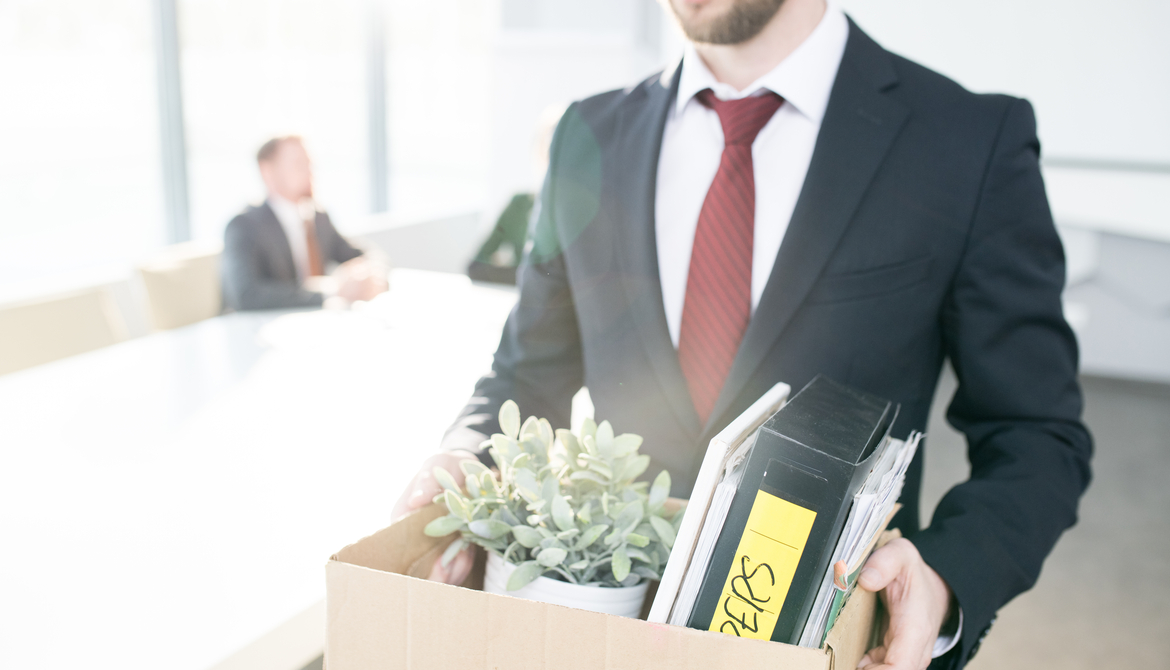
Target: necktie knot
{"type": "Point", "coordinates": [742, 119]}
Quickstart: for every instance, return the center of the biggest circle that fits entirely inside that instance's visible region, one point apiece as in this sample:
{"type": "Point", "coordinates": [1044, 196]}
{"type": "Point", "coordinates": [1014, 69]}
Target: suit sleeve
{"type": "Point", "coordinates": [1018, 400]}
{"type": "Point", "coordinates": [538, 363]}
{"type": "Point", "coordinates": [340, 249]}
{"type": "Point", "coordinates": [245, 283]}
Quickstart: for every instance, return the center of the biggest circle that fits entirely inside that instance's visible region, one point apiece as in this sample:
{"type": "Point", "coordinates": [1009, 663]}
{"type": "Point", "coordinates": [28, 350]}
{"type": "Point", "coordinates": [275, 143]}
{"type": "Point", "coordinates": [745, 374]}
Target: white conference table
{"type": "Point", "coordinates": [169, 501]}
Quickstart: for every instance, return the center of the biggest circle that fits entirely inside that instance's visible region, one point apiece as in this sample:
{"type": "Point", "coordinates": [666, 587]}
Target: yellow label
{"type": "Point", "coordinates": [765, 563]}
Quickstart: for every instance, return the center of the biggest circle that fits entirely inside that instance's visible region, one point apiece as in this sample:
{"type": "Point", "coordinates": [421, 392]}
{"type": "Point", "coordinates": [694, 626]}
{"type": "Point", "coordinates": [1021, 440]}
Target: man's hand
{"type": "Point", "coordinates": [359, 279]}
{"type": "Point", "coordinates": [421, 490]}
{"type": "Point", "coordinates": [917, 600]}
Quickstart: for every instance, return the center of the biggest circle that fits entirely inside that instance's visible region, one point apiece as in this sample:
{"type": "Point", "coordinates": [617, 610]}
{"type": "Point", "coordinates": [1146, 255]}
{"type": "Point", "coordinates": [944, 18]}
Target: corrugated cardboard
{"type": "Point", "coordinates": [382, 614]}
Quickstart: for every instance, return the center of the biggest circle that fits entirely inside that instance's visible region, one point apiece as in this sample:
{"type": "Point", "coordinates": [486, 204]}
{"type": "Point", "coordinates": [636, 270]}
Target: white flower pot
{"type": "Point", "coordinates": [621, 601]}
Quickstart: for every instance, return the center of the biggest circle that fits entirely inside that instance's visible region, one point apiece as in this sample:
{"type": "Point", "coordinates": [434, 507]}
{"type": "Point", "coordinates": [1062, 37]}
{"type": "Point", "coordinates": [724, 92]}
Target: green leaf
{"type": "Point", "coordinates": [521, 461]}
{"type": "Point", "coordinates": [568, 534]}
{"type": "Point", "coordinates": [506, 446]}
{"type": "Point", "coordinates": [664, 530]}
{"type": "Point", "coordinates": [562, 514]}
{"type": "Point", "coordinates": [456, 504]}
{"type": "Point", "coordinates": [508, 517]}
{"type": "Point", "coordinates": [588, 428]}
{"type": "Point", "coordinates": [530, 429]}
{"type": "Point", "coordinates": [546, 433]}
{"type": "Point", "coordinates": [636, 467]}
{"type": "Point", "coordinates": [601, 469]}
{"type": "Point", "coordinates": [550, 488]}
{"type": "Point", "coordinates": [445, 479]}
{"type": "Point", "coordinates": [471, 483]}
{"type": "Point", "coordinates": [527, 536]}
{"type": "Point", "coordinates": [526, 484]}
{"type": "Point", "coordinates": [473, 467]}
{"type": "Point", "coordinates": [510, 419]}
{"type": "Point", "coordinates": [646, 572]}
{"type": "Point", "coordinates": [585, 515]}
{"type": "Point", "coordinates": [489, 528]}
{"type": "Point", "coordinates": [638, 554]}
{"type": "Point", "coordinates": [634, 539]}
{"type": "Point", "coordinates": [443, 526]}
{"type": "Point", "coordinates": [590, 445]}
{"type": "Point", "coordinates": [587, 475]}
{"type": "Point", "coordinates": [572, 447]}
{"type": "Point", "coordinates": [629, 517]}
{"type": "Point", "coordinates": [604, 439]}
{"type": "Point", "coordinates": [523, 574]}
{"type": "Point", "coordinates": [626, 444]}
{"type": "Point", "coordinates": [552, 557]}
{"type": "Point", "coordinates": [579, 565]}
{"type": "Point", "coordinates": [621, 563]}
{"type": "Point", "coordinates": [589, 536]}
{"type": "Point", "coordinates": [452, 550]}
{"type": "Point", "coordinates": [659, 491]}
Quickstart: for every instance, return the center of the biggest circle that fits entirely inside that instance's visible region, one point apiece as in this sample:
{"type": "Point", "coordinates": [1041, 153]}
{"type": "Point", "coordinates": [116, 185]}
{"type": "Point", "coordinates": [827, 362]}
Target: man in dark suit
{"type": "Point", "coordinates": [276, 254]}
{"type": "Point", "coordinates": [856, 215]}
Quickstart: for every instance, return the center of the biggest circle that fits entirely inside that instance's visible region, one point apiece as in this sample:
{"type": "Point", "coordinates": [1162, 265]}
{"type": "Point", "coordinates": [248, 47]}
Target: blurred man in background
{"type": "Point", "coordinates": [276, 255]}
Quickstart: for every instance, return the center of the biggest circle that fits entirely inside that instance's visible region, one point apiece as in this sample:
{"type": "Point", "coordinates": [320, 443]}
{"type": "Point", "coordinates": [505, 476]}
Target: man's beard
{"type": "Point", "coordinates": [743, 21]}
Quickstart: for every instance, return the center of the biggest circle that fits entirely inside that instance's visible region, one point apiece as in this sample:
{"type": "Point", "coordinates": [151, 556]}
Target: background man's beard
{"type": "Point", "coordinates": [743, 21]}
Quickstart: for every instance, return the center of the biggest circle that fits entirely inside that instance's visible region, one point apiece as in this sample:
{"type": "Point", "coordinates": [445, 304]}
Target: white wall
{"type": "Point", "coordinates": [1097, 72]}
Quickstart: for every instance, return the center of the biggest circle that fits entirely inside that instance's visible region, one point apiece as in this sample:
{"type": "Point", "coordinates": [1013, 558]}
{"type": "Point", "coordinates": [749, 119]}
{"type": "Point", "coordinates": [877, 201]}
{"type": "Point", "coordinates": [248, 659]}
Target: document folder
{"type": "Point", "coordinates": [807, 462]}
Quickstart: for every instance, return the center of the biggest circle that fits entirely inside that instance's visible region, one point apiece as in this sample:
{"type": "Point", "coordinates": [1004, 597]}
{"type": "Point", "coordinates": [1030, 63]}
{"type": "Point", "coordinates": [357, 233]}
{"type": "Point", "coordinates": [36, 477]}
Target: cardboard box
{"type": "Point", "coordinates": [382, 613]}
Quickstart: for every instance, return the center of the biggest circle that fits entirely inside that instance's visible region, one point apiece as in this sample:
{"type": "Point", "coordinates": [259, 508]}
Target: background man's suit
{"type": "Point", "coordinates": [258, 267]}
{"type": "Point", "coordinates": [922, 232]}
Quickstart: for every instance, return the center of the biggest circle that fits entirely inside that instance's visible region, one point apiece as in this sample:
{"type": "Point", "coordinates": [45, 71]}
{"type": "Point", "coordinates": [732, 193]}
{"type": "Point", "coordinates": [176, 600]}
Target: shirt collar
{"type": "Point", "coordinates": [290, 212]}
{"type": "Point", "coordinates": [804, 79]}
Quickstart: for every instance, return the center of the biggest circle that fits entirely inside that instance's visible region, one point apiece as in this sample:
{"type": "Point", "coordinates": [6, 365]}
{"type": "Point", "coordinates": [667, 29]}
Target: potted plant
{"type": "Point", "coordinates": [562, 518]}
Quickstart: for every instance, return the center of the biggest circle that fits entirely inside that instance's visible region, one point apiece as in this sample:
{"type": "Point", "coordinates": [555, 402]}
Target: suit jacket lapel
{"type": "Point", "coordinates": [859, 126]}
{"type": "Point", "coordinates": [634, 167]}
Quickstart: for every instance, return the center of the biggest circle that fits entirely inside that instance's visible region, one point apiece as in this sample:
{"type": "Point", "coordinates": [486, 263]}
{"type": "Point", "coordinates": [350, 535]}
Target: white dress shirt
{"type": "Point", "coordinates": [692, 145]}
{"type": "Point", "coordinates": [289, 215]}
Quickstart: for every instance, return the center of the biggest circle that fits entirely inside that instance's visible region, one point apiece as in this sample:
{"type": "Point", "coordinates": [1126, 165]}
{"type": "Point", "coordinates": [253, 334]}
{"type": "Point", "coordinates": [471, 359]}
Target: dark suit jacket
{"type": "Point", "coordinates": [258, 268]}
{"type": "Point", "coordinates": [922, 233]}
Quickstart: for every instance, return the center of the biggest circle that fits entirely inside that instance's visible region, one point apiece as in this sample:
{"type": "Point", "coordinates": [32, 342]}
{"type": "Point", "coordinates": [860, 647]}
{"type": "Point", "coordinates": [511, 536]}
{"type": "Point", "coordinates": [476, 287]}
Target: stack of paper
{"type": "Point", "coordinates": [872, 508]}
{"type": "Point", "coordinates": [707, 508]}
{"type": "Point", "coordinates": [818, 483]}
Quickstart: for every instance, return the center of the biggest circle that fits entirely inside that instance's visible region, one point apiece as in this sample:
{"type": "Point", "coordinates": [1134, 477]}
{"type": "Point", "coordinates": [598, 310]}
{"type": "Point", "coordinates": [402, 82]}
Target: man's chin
{"type": "Point", "coordinates": [735, 23]}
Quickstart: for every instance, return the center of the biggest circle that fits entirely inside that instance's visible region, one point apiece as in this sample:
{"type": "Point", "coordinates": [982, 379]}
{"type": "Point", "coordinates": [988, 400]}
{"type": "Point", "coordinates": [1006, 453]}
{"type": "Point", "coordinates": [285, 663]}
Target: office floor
{"type": "Point", "coordinates": [1103, 598]}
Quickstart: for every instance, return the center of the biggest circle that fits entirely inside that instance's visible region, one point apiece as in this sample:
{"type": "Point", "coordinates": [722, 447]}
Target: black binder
{"type": "Point", "coordinates": [808, 461]}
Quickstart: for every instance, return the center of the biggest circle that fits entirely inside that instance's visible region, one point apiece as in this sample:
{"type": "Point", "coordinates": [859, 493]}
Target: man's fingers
{"type": "Point", "coordinates": [879, 570]}
{"type": "Point", "coordinates": [460, 566]}
{"type": "Point", "coordinates": [873, 658]}
{"type": "Point", "coordinates": [456, 571]}
{"type": "Point", "coordinates": [424, 487]}
{"type": "Point", "coordinates": [909, 646]}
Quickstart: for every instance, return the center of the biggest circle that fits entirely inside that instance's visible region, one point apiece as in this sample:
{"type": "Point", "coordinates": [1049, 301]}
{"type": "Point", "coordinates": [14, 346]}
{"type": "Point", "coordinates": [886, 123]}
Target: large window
{"type": "Point", "coordinates": [440, 88]}
{"type": "Point", "coordinates": [252, 69]}
{"type": "Point", "coordinates": [97, 169]}
{"type": "Point", "coordinates": [79, 166]}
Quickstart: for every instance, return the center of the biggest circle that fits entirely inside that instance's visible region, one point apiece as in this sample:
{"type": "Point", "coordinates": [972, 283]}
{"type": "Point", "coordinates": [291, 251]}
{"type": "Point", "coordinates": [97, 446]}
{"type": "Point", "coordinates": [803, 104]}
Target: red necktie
{"type": "Point", "coordinates": [316, 267]}
{"type": "Point", "coordinates": [718, 303]}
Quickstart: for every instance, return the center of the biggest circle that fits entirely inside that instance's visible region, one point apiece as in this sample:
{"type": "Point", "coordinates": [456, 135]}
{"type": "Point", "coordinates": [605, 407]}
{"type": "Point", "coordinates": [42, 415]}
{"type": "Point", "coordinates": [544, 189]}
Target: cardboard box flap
{"type": "Point", "coordinates": [400, 546]}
